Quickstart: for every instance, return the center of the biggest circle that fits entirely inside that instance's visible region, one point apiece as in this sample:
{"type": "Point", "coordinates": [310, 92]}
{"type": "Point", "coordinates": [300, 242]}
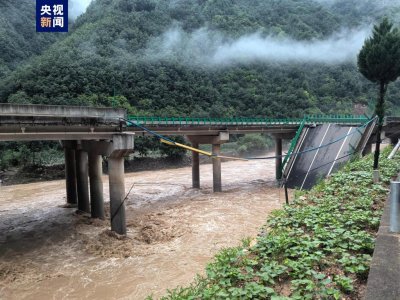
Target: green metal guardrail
{"type": "Point", "coordinates": [308, 119]}
{"type": "Point", "coordinates": [292, 145]}
{"type": "Point", "coordinates": [338, 119]}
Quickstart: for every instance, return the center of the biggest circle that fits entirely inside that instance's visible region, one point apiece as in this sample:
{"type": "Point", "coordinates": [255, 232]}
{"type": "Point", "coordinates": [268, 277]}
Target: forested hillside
{"type": "Point", "coordinates": [352, 12]}
{"type": "Point", "coordinates": [143, 52]}
{"type": "Point", "coordinates": [18, 37]}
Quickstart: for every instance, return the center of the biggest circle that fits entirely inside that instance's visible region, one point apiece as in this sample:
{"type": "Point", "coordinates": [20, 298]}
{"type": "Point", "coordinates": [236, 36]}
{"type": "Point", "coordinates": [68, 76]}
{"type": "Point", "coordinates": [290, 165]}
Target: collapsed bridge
{"type": "Point", "coordinates": [88, 134]}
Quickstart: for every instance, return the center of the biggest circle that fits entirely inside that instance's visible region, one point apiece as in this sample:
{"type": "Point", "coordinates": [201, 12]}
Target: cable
{"type": "Point", "coordinates": [122, 203]}
{"type": "Point", "coordinates": [339, 158]}
{"type": "Point", "coordinates": [170, 142]}
{"type": "Point", "coordinates": [321, 166]}
{"type": "Point", "coordinates": [328, 163]}
{"type": "Point", "coordinates": [315, 148]}
{"type": "Point", "coordinates": [161, 137]}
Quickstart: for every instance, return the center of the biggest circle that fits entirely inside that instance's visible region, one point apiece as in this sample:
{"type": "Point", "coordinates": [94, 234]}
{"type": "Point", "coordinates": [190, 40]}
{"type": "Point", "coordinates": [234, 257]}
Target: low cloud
{"type": "Point", "coordinates": [213, 48]}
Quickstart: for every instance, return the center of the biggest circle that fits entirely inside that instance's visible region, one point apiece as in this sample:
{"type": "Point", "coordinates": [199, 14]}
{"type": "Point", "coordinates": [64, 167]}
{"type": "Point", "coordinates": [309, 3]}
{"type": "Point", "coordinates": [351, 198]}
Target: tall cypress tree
{"type": "Point", "coordinates": [379, 62]}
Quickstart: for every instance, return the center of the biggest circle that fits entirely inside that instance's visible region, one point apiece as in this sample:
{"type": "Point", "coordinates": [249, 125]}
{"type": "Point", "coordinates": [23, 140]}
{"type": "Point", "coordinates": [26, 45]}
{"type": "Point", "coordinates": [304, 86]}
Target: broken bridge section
{"type": "Point", "coordinates": [320, 151]}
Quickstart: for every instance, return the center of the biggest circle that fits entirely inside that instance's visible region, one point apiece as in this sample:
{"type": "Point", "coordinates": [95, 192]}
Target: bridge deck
{"type": "Point", "coordinates": [49, 122]}
{"type": "Point", "coordinates": [314, 119]}
{"type": "Point", "coordinates": [60, 111]}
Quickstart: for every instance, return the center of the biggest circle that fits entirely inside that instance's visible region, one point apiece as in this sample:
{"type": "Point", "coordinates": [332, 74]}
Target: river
{"type": "Point", "coordinates": [48, 251]}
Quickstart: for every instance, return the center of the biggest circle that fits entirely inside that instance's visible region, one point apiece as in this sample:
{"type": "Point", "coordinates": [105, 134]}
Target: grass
{"type": "Point", "coordinates": [318, 247]}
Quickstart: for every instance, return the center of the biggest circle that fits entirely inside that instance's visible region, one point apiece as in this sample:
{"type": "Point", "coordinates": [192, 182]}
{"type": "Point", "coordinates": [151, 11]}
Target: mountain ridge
{"type": "Point", "coordinates": [98, 63]}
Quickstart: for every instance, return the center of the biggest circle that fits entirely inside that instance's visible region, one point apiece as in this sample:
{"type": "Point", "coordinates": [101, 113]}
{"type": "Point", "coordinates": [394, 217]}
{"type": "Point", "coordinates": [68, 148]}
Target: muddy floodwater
{"type": "Point", "coordinates": [51, 252]}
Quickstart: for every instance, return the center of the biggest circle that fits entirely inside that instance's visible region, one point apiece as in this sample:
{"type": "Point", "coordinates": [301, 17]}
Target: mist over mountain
{"type": "Point", "coordinates": [213, 49]}
{"type": "Point", "coordinates": [207, 58]}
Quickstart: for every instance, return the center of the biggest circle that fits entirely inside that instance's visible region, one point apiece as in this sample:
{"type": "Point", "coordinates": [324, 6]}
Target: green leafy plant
{"type": "Point", "coordinates": [320, 246]}
{"type": "Point", "coordinates": [345, 283]}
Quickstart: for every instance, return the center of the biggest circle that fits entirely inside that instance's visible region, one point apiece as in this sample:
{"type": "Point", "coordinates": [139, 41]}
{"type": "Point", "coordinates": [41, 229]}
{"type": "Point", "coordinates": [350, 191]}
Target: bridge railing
{"type": "Point", "coordinates": [308, 119]}
{"type": "Point", "coordinates": [338, 119]}
{"type": "Point", "coordinates": [292, 145]}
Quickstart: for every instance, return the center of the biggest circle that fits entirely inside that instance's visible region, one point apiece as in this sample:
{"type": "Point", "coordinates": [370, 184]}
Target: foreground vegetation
{"type": "Point", "coordinates": [318, 247]}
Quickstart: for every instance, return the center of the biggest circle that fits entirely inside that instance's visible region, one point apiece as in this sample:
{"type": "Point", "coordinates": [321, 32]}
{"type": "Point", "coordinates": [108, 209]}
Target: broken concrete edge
{"type": "Point", "coordinates": [384, 274]}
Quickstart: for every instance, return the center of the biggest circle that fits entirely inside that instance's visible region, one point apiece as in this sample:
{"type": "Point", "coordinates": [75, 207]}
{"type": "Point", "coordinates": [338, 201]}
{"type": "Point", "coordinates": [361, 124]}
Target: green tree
{"type": "Point", "coordinates": [379, 62]}
{"type": "Point", "coordinates": [19, 97]}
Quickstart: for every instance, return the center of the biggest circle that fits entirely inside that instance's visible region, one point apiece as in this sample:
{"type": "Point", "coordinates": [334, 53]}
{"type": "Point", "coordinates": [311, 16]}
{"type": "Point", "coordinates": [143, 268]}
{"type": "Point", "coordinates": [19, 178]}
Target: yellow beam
{"type": "Point", "coordinates": [199, 151]}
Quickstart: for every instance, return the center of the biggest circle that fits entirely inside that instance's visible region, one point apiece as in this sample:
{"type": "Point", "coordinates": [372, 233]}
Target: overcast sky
{"type": "Point", "coordinates": [77, 7]}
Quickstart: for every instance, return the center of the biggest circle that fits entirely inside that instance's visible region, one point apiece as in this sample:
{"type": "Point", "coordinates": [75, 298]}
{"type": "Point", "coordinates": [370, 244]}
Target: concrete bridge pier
{"type": "Point", "coordinates": [83, 160]}
{"type": "Point", "coordinates": [121, 146]}
{"type": "Point", "coordinates": [82, 179]}
{"type": "Point", "coordinates": [278, 159]}
{"type": "Point", "coordinates": [195, 167]}
{"type": "Point", "coordinates": [96, 185]}
{"type": "Point", "coordinates": [215, 141]}
{"type": "Point", "coordinates": [278, 152]}
{"type": "Point", "coordinates": [217, 180]}
{"type": "Point", "coordinates": [116, 149]}
{"type": "Point", "coordinates": [117, 194]}
{"type": "Point", "coordinates": [70, 172]}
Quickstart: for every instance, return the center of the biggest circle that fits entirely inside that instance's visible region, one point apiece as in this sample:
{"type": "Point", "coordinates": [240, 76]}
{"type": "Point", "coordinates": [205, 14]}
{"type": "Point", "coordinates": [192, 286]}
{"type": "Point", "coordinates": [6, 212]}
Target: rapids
{"type": "Point", "coordinates": [48, 251]}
